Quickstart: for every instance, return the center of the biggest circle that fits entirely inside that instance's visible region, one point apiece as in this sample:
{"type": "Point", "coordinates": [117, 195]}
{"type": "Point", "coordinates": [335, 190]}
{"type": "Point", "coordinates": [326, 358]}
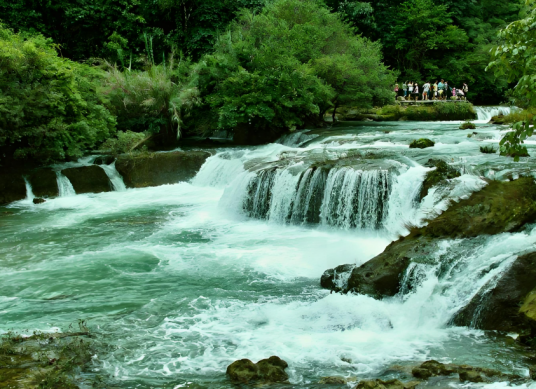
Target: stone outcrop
{"type": "Point", "coordinates": [88, 179]}
{"type": "Point", "coordinates": [12, 187]}
{"type": "Point", "coordinates": [44, 183]}
{"type": "Point", "coordinates": [443, 171]}
{"type": "Point", "coordinates": [466, 373]}
{"type": "Point", "coordinates": [498, 308]}
{"type": "Point", "coordinates": [104, 160]}
{"type": "Point", "coordinates": [499, 207]}
{"type": "Point", "coordinates": [266, 371]}
{"type": "Point", "coordinates": [154, 169]}
{"type": "Point", "coordinates": [422, 143]}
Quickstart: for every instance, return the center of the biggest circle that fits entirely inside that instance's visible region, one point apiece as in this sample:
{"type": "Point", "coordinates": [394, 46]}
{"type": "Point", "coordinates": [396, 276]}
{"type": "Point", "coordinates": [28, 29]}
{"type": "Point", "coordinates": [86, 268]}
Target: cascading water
{"type": "Point", "coordinates": [29, 192]}
{"type": "Point", "coordinates": [114, 176]}
{"type": "Point", "coordinates": [484, 114]}
{"type": "Point", "coordinates": [65, 188]}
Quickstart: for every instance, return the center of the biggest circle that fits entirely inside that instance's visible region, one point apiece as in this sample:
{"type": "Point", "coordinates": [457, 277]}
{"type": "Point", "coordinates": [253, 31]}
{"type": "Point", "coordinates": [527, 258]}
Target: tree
{"type": "Point", "coordinates": [286, 66]}
{"type": "Point", "coordinates": [50, 107]}
{"type": "Point", "coordinates": [514, 58]}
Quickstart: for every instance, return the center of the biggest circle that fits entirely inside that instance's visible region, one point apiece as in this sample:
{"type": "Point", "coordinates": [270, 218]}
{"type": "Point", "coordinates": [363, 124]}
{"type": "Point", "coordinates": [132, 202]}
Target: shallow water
{"type": "Point", "coordinates": [178, 282]}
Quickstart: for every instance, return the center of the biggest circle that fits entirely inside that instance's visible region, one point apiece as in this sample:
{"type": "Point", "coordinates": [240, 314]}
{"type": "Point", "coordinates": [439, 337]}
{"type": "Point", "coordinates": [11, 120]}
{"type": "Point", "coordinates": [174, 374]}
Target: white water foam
{"type": "Point", "coordinates": [485, 114]}
{"type": "Point", "coordinates": [65, 188]}
{"type": "Point", "coordinates": [115, 178]}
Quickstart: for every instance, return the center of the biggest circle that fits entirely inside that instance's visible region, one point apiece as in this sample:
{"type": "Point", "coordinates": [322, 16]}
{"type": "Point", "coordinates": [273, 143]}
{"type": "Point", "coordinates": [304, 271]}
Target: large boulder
{"type": "Point", "coordinates": [88, 179]}
{"type": "Point", "coordinates": [422, 143]}
{"type": "Point", "coordinates": [498, 307]}
{"type": "Point", "coordinates": [154, 169]}
{"type": "Point", "coordinates": [266, 371]}
{"type": "Point", "coordinates": [44, 183]}
{"type": "Point", "coordinates": [499, 207]}
{"type": "Point", "coordinates": [12, 187]}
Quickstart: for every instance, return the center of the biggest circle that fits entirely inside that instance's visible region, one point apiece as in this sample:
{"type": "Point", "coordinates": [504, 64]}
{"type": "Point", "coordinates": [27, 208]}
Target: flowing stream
{"type": "Point", "coordinates": [179, 281]}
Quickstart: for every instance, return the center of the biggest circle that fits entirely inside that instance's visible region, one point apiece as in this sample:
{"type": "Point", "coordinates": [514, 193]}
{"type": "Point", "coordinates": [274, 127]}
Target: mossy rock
{"type": "Point", "coordinates": [44, 183]}
{"type": "Point", "coordinates": [499, 207]}
{"type": "Point", "coordinates": [468, 126]}
{"type": "Point", "coordinates": [519, 154]}
{"type": "Point", "coordinates": [443, 171]}
{"type": "Point", "coordinates": [12, 187]}
{"type": "Point", "coordinates": [266, 371]}
{"type": "Point", "coordinates": [498, 119]}
{"type": "Point", "coordinates": [88, 179]}
{"type": "Point", "coordinates": [422, 143]}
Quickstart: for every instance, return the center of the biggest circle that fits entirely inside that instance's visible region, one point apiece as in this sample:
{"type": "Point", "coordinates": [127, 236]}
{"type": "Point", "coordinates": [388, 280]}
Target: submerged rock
{"type": "Point", "coordinates": [470, 376]}
{"type": "Point", "coordinates": [154, 169]}
{"type": "Point", "coordinates": [499, 207]}
{"type": "Point", "coordinates": [443, 171]}
{"type": "Point", "coordinates": [265, 371]}
{"type": "Point", "coordinates": [422, 143]}
{"type": "Point", "coordinates": [44, 183]}
{"type": "Point", "coordinates": [390, 384]}
{"type": "Point", "coordinates": [38, 200]}
{"type": "Point", "coordinates": [335, 380]}
{"type": "Point", "coordinates": [336, 279]}
{"type": "Point", "coordinates": [498, 306]}
{"type": "Point", "coordinates": [88, 179]}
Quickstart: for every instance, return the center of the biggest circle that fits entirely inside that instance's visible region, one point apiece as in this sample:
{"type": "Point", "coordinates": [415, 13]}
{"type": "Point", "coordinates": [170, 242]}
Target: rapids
{"type": "Point", "coordinates": [178, 281]}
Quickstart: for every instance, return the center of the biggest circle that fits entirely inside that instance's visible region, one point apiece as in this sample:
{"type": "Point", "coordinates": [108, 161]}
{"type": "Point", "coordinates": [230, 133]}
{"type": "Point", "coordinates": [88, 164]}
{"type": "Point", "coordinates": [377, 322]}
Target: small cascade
{"type": "Point", "coordinates": [485, 114]}
{"type": "Point", "coordinates": [29, 192]}
{"type": "Point", "coordinates": [65, 188]}
{"type": "Point", "coordinates": [295, 139]}
{"type": "Point", "coordinates": [342, 197]}
{"type": "Point", "coordinates": [219, 170]}
{"type": "Point", "coordinates": [114, 176]}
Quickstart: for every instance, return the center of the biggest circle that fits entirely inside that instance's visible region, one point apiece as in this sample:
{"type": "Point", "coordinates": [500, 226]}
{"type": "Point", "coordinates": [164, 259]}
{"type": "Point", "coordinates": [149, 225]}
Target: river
{"type": "Point", "coordinates": [178, 281]}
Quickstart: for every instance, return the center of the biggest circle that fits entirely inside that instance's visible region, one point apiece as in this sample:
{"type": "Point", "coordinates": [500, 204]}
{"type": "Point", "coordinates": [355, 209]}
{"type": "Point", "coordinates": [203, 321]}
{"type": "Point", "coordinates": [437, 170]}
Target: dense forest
{"type": "Point", "coordinates": [74, 72]}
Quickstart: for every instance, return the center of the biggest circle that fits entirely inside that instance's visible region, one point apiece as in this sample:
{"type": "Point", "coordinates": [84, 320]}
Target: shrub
{"type": "Point", "coordinates": [50, 107]}
{"type": "Point", "coordinates": [421, 143]}
{"type": "Point", "coordinates": [124, 143]}
{"type": "Point", "coordinates": [488, 150]}
{"type": "Point", "coordinates": [467, 126]}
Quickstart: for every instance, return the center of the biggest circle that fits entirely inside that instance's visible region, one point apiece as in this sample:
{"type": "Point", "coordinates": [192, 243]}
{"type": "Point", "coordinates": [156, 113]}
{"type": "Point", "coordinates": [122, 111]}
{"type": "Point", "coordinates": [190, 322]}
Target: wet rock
{"type": "Point", "coordinates": [498, 307]}
{"type": "Point", "coordinates": [12, 187]}
{"type": "Point", "coordinates": [38, 200]}
{"type": "Point", "coordinates": [265, 371]}
{"type": "Point", "coordinates": [467, 126]}
{"type": "Point", "coordinates": [44, 183]}
{"type": "Point", "coordinates": [391, 384]}
{"type": "Point", "coordinates": [443, 171]}
{"type": "Point", "coordinates": [88, 179]}
{"type": "Point", "coordinates": [333, 380]}
{"type": "Point", "coordinates": [336, 279]}
{"type": "Point", "coordinates": [154, 169]}
{"type": "Point", "coordinates": [432, 369]}
{"type": "Point", "coordinates": [499, 207]}
{"type": "Point", "coordinates": [470, 376]}
{"type": "Point", "coordinates": [104, 160]}
{"type": "Point", "coordinates": [498, 119]}
{"type": "Point", "coordinates": [422, 143]}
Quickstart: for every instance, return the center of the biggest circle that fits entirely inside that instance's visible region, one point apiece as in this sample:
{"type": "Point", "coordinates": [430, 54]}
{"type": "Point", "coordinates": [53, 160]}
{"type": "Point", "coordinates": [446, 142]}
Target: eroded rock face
{"type": "Point", "coordinates": [88, 179]}
{"type": "Point", "coordinates": [144, 170]}
{"type": "Point", "coordinates": [499, 308]}
{"type": "Point", "coordinates": [442, 172]}
{"type": "Point", "coordinates": [499, 207]}
{"type": "Point", "coordinates": [12, 187]}
{"type": "Point", "coordinates": [265, 371]}
{"type": "Point", "coordinates": [44, 183]}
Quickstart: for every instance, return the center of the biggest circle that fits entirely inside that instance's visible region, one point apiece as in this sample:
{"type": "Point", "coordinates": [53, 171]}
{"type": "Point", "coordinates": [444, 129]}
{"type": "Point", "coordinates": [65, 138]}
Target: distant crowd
{"type": "Point", "coordinates": [436, 91]}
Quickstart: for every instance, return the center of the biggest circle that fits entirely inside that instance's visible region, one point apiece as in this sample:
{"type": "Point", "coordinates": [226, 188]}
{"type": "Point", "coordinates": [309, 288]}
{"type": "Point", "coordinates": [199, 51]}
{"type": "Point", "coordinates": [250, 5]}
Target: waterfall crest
{"type": "Point", "coordinates": [115, 178]}
{"type": "Point", "coordinates": [485, 114]}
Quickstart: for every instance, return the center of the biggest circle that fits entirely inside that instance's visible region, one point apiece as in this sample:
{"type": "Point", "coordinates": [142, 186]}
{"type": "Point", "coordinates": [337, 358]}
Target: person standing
{"type": "Point", "coordinates": [426, 89]}
{"type": "Point", "coordinates": [396, 90]}
{"type": "Point", "coordinates": [454, 93]}
{"type": "Point", "coordinates": [435, 90]}
{"type": "Point", "coordinates": [410, 89]}
{"type": "Point", "coordinates": [446, 87]}
{"type": "Point", "coordinates": [465, 89]}
{"type": "Point", "coordinates": [405, 89]}
{"type": "Point", "coordinates": [416, 91]}
{"type": "Point", "coordinates": [441, 89]}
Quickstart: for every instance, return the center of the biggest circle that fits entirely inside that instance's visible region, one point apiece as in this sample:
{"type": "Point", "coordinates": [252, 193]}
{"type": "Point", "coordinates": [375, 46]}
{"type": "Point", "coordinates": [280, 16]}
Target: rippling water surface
{"type": "Point", "coordinates": [178, 283]}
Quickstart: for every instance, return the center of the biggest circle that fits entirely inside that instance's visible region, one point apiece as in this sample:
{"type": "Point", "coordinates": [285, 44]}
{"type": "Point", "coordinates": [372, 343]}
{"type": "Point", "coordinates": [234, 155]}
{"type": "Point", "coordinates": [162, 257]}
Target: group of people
{"type": "Point", "coordinates": [436, 91]}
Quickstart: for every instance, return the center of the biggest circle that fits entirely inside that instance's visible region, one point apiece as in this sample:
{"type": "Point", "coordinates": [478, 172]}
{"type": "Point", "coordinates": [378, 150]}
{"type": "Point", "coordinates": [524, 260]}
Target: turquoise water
{"type": "Point", "coordinates": [177, 284]}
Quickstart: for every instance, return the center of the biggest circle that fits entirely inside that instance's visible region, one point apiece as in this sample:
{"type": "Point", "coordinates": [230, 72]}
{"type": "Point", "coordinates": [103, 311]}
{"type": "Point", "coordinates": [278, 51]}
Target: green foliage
{"type": "Point", "coordinates": [124, 142]}
{"type": "Point", "coordinates": [422, 143]}
{"type": "Point", "coordinates": [288, 65]}
{"type": "Point", "coordinates": [468, 126]}
{"type": "Point", "coordinates": [514, 59]}
{"type": "Point", "coordinates": [49, 106]}
{"type": "Point", "coordinates": [153, 100]}
{"type": "Point", "coordinates": [488, 149]}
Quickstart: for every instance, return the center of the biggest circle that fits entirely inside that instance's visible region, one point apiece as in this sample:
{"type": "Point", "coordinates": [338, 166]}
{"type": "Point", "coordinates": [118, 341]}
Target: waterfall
{"type": "Point", "coordinates": [65, 188]}
{"type": "Point", "coordinates": [115, 177]}
{"type": "Point", "coordinates": [342, 197]}
{"type": "Point", "coordinates": [219, 170]}
{"type": "Point", "coordinates": [295, 139]}
{"type": "Point", "coordinates": [486, 113]}
{"type": "Point", "coordinates": [29, 192]}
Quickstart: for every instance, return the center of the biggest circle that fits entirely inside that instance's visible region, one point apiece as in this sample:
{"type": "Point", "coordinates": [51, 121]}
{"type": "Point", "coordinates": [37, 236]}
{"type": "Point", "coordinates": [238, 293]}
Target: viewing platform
{"type": "Point", "coordinates": [429, 102]}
